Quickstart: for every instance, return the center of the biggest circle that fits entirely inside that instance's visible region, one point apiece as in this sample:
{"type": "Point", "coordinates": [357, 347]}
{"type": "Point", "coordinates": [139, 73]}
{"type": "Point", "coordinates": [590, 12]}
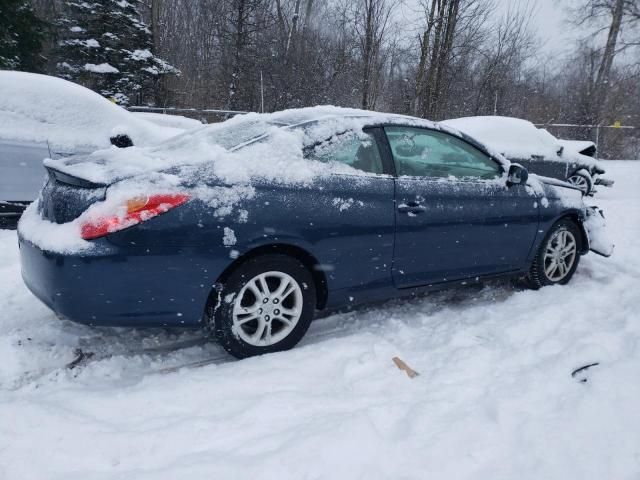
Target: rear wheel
{"type": "Point", "coordinates": [266, 305]}
{"type": "Point", "coordinates": [558, 257]}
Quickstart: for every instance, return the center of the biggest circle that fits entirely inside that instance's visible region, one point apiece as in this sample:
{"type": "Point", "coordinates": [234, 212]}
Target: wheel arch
{"type": "Point", "coordinates": [299, 253]}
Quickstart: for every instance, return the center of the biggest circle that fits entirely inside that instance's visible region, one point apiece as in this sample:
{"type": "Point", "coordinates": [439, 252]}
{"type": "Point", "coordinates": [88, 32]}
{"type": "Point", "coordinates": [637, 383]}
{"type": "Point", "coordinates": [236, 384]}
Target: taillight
{"type": "Point", "coordinates": [136, 210]}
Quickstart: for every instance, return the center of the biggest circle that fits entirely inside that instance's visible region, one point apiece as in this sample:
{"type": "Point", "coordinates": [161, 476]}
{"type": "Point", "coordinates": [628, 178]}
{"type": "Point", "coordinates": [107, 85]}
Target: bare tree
{"type": "Point", "coordinates": [502, 61]}
{"type": "Point", "coordinates": [452, 33]}
{"type": "Point", "coordinates": [451, 58]}
{"type": "Point", "coordinates": [371, 23]}
{"type": "Point", "coordinates": [593, 12]}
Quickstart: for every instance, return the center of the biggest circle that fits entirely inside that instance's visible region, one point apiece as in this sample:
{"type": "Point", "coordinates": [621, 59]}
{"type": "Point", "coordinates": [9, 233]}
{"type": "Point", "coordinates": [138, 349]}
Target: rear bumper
{"type": "Point", "coordinates": [116, 286]}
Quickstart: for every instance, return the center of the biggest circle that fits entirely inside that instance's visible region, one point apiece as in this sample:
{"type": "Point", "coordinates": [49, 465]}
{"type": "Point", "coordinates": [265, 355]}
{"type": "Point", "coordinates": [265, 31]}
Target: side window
{"type": "Point", "coordinates": [358, 150]}
{"type": "Point", "coordinates": [429, 153]}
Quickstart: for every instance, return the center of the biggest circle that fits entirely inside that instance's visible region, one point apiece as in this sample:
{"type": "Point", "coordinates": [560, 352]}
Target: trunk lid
{"type": "Point", "coordinates": [65, 197]}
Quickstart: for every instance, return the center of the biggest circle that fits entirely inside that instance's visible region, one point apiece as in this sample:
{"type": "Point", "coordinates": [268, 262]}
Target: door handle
{"type": "Point", "coordinates": [411, 207]}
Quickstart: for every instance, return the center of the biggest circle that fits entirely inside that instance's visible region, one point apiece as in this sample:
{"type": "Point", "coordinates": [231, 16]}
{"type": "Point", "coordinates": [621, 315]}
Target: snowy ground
{"type": "Point", "coordinates": [494, 399]}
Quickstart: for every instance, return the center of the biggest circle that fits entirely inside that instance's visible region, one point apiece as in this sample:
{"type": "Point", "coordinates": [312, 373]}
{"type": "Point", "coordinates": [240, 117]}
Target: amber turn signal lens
{"type": "Point", "coordinates": [137, 203]}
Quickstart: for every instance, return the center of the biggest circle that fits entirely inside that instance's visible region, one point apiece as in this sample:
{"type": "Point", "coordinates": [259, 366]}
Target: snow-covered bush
{"type": "Point", "coordinates": [107, 47]}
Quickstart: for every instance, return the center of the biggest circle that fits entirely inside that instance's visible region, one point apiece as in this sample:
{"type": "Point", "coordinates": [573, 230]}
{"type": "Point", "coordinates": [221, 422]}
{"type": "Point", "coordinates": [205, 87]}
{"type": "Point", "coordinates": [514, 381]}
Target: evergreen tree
{"type": "Point", "coordinates": [104, 45]}
{"type": "Point", "coordinates": [21, 36]}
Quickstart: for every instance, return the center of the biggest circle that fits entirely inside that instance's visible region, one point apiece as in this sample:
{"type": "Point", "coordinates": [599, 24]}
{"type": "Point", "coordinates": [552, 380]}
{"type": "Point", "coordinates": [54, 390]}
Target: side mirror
{"type": "Point", "coordinates": [121, 141]}
{"type": "Point", "coordinates": [518, 175]}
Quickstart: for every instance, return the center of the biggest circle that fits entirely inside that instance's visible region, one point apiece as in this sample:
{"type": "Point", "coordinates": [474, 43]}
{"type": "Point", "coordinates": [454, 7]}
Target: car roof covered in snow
{"type": "Point", "coordinates": [71, 118]}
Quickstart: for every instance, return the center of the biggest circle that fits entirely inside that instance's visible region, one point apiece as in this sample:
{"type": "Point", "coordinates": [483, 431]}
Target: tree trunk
{"type": "Point", "coordinates": [292, 31]}
{"type": "Point", "coordinates": [444, 56]}
{"type": "Point", "coordinates": [424, 54]}
{"type": "Point", "coordinates": [367, 53]}
{"type": "Point", "coordinates": [239, 42]}
{"type": "Point", "coordinates": [604, 72]}
{"type": "Point", "coordinates": [156, 8]}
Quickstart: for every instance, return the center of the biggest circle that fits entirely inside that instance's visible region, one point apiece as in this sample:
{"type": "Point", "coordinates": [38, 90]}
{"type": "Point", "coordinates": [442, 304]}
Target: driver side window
{"type": "Point", "coordinates": [430, 153]}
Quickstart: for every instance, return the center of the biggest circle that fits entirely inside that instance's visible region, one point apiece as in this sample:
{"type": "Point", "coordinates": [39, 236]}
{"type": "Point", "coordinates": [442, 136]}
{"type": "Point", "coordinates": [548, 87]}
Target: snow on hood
{"type": "Point", "coordinates": [547, 187]}
{"type": "Point", "coordinates": [40, 108]}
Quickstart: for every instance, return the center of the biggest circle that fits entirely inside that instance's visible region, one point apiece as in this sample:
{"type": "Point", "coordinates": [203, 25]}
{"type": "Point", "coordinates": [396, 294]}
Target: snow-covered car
{"type": "Point", "coordinates": [536, 149]}
{"type": "Point", "coordinates": [47, 117]}
{"type": "Point", "coordinates": [249, 226]}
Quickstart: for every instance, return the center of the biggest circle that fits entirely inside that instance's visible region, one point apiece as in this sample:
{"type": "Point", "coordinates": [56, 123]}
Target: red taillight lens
{"type": "Point", "coordinates": [137, 209]}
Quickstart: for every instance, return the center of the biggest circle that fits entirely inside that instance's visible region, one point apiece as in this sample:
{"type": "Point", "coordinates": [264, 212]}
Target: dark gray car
{"type": "Point", "coordinates": [536, 149]}
{"type": "Point", "coordinates": [21, 177]}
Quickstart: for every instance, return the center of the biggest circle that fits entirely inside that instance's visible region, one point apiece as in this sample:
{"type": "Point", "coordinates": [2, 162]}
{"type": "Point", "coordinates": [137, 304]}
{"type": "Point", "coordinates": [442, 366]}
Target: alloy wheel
{"type": "Point", "coordinates": [560, 255]}
{"type": "Point", "coordinates": [267, 308]}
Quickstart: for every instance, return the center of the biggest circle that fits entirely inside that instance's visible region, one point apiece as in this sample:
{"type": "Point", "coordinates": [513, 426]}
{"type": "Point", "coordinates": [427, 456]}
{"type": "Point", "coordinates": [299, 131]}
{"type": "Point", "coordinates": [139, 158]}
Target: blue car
{"type": "Point", "coordinates": [375, 206]}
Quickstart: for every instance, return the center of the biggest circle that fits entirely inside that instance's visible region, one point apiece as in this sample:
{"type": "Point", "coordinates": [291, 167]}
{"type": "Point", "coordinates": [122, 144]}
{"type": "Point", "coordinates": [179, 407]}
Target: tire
{"type": "Point", "coordinates": [542, 272]}
{"type": "Point", "coordinates": [253, 316]}
{"type": "Point", "coordinates": [582, 180]}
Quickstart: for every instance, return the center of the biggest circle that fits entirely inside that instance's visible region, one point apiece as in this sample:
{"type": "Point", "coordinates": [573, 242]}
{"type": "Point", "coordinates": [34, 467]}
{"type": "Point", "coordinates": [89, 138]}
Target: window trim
{"type": "Point", "coordinates": [378, 137]}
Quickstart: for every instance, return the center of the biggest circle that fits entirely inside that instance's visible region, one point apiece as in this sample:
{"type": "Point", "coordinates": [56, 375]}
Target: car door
{"type": "Point", "coordinates": [455, 215]}
{"type": "Point", "coordinates": [351, 216]}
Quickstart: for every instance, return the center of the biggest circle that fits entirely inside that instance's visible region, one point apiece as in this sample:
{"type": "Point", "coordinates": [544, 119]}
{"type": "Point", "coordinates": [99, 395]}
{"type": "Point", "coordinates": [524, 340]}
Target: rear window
{"type": "Point", "coordinates": [227, 134]}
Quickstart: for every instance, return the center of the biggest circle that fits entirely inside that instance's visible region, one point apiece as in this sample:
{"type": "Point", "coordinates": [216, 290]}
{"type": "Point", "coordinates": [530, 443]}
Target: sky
{"type": "Point", "coordinates": [549, 21]}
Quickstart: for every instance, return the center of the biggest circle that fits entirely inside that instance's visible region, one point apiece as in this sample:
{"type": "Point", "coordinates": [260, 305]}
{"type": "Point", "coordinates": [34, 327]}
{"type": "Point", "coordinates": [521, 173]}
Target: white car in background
{"type": "Point", "coordinates": [47, 117]}
{"type": "Point", "coordinates": [536, 149]}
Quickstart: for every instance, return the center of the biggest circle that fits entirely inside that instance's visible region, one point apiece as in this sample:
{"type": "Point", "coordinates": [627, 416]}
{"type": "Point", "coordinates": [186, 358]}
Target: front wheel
{"type": "Point", "coordinates": [266, 305]}
{"type": "Point", "coordinates": [582, 180]}
{"type": "Point", "coordinates": [558, 256]}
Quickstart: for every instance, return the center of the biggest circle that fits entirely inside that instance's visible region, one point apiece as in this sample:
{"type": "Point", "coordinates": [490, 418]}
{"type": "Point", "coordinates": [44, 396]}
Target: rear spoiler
{"type": "Point", "coordinates": [62, 177]}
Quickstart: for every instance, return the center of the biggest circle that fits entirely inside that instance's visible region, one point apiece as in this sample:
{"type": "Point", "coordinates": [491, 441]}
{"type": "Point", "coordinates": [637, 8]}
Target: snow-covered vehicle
{"type": "Point", "coordinates": [249, 226]}
{"type": "Point", "coordinates": [536, 149]}
{"type": "Point", "coordinates": [47, 117]}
